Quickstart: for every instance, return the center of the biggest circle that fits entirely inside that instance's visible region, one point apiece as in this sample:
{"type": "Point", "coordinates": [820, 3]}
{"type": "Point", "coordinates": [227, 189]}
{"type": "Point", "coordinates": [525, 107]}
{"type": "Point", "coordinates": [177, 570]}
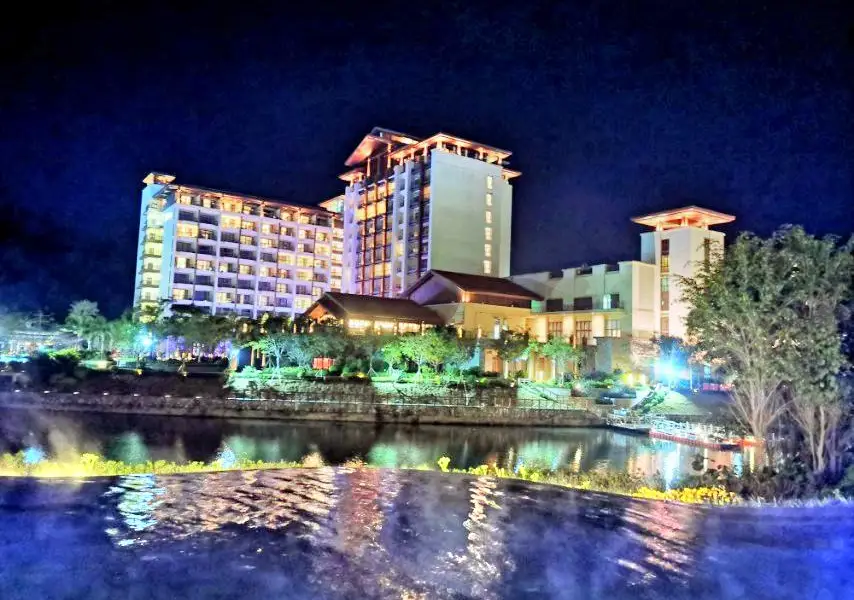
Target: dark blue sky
{"type": "Point", "coordinates": [611, 111]}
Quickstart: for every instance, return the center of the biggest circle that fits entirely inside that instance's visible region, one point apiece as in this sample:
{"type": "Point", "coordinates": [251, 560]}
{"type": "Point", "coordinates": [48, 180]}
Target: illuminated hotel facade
{"type": "Point", "coordinates": [225, 253]}
{"type": "Point", "coordinates": [607, 307]}
{"type": "Point", "coordinates": [412, 205]}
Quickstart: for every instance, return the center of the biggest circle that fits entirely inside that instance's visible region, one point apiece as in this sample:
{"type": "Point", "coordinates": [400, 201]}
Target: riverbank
{"type": "Point", "coordinates": [32, 464]}
{"type": "Point", "coordinates": [322, 405]}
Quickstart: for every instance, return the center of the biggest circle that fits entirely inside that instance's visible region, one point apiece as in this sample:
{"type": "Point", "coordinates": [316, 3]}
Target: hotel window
{"type": "Point", "coordinates": [267, 243]}
{"type": "Point", "coordinates": [487, 250]}
{"type": "Point", "coordinates": [487, 234]}
{"type": "Point", "coordinates": [182, 262]}
{"type": "Point", "coordinates": [231, 223]}
{"type": "Point", "coordinates": [488, 199]}
{"type": "Point", "coordinates": [286, 259]}
{"type": "Point", "coordinates": [555, 329]}
{"type": "Point", "coordinates": [267, 272]}
{"type": "Point", "coordinates": [488, 217]}
{"type": "Point", "coordinates": [665, 263]}
{"type": "Point", "coordinates": [247, 225]}
{"type": "Point", "coordinates": [612, 328]}
{"type": "Point", "coordinates": [187, 231]}
{"type": "Point", "coordinates": [489, 182]}
{"type": "Point", "coordinates": [610, 301]}
{"type": "Point", "coordinates": [245, 270]}
{"type": "Point", "coordinates": [247, 240]}
{"type": "Point", "coordinates": [304, 275]}
{"type": "Point", "coordinates": [301, 304]}
{"type": "Point", "coordinates": [204, 265]}
{"type": "Point", "coordinates": [317, 292]}
{"type": "Point", "coordinates": [268, 228]}
{"type": "Point", "coordinates": [265, 301]}
{"type": "Point", "coordinates": [180, 294]}
{"type": "Point", "coordinates": [184, 199]}
{"type": "Point", "coordinates": [665, 326]}
{"type": "Point", "coordinates": [665, 247]}
{"type": "Point", "coordinates": [583, 331]}
{"type": "Point", "coordinates": [487, 267]}
{"type": "Point", "coordinates": [665, 293]}
{"type": "Point", "coordinates": [223, 297]}
{"type": "Point", "coordinates": [282, 288]}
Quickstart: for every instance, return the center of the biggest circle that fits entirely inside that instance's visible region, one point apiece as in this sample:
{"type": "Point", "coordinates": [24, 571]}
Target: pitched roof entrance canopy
{"type": "Point", "coordinates": [354, 306]}
{"type": "Point", "coordinates": [689, 216]}
{"type": "Point", "coordinates": [477, 284]}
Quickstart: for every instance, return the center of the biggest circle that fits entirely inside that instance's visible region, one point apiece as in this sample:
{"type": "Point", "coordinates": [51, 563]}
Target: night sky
{"type": "Point", "coordinates": [610, 112]}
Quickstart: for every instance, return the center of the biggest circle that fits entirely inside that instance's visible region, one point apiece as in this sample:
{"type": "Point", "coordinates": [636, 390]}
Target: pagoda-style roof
{"type": "Point", "coordinates": [379, 140]}
{"type": "Point", "coordinates": [688, 216]}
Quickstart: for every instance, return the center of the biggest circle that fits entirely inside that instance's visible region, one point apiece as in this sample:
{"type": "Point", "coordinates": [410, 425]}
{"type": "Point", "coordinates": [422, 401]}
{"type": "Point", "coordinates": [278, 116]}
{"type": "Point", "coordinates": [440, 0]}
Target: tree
{"type": "Point", "coordinates": [372, 344]}
{"type": "Point", "coordinates": [430, 347]}
{"type": "Point", "coordinates": [770, 312]}
{"type": "Point", "coordinates": [458, 354]}
{"type": "Point", "coordinates": [275, 345]}
{"type": "Point", "coordinates": [737, 319]}
{"type": "Point", "coordinates": [85, 320]}
{"type": "Point", "coordinates": [511, 346]}
{"type": "Point", "coordinates": [393, 354]}
{"type": "Point", "coordinates": [818, 285]}
{"type": "Point", "coordinates": [561, 352]}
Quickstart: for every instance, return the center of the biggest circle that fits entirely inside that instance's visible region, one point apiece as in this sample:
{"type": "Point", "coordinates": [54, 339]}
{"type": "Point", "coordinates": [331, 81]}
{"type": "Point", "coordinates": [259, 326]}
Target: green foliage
{"type": "Point", "coordinates": [768, 313]}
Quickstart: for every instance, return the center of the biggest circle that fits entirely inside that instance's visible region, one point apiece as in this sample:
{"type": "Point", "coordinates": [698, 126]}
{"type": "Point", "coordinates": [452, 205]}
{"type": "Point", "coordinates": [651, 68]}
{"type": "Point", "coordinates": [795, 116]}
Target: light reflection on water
{"type": "Point", "coordinates": [136, 439]}
{"type": "Point", "coordinates": [345, 533]}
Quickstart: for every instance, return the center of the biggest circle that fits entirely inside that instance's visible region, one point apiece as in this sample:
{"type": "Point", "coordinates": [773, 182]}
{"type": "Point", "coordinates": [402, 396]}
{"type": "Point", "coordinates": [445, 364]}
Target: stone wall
{"type": "Point", "coordinates": [349, 403]}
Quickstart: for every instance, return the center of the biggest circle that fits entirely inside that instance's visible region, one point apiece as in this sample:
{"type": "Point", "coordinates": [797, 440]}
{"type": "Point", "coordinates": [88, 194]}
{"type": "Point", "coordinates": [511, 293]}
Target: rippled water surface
{"type": "Point", "coordinates": [134, 438]}
{"type": "Point", "coordinates": [335, 533]}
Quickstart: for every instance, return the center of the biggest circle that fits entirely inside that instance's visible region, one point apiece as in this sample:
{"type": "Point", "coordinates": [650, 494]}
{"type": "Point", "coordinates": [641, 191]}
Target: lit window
{"type": "Point", "coordinates": [223, 297]}
{"type": "Point", "coordinates": [287, 259]}
{"type": "Point", "coordinates": [245, 270]}
{"type": "Point", "coordinates": [489, 182]}
{"type": "Point", "coordinates": [317, 292]}
{"type": "Point", "coordinates": [487, 267]}
{"type": "Point", "coordinates": [184, 199]}
{"type": "Point", "coordinates": [488, 217]}
{"type": "Point", "coordinates": [282, 288]}
{"type": "Point", "coordinates": [487, 234]}
{"type": "Point", "coordinates": [180, 294]}
{"type": "Point", "coordinates": [489, 199]}
{"type": "Point", "coordinates": [247, 240]}
{"type": "Point", "coordinates": [665, 264]}
{"type": "Point", "coordinates": [266, 243]}
{"type": "Point", "coordinates": [612, 328]}
{"type": "Point", "coordinates": [204, 265]}
{"type": "Point", "coordinates": [301, 304]}
{"type": "Point", "coordinates": [487, 250]}
{"type": "Point", "coordinates": [304, 275]}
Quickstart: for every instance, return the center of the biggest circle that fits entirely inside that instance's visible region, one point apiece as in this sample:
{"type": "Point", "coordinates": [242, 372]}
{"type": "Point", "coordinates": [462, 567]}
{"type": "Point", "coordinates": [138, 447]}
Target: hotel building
{"type": "Point", "coordinates": [231, 253]}
{"type": "Point", "coordinates": [412, 205]}
{"type": "Point", "coordinates": [607, 307]}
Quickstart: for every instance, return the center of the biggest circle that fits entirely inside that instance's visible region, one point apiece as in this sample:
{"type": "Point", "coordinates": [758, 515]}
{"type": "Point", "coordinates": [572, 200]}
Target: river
{"type": "Point", "coordinates": [138, 438]}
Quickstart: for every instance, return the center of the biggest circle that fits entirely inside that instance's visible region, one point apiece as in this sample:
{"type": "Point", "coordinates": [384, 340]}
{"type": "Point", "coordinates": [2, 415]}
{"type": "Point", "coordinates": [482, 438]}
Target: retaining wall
{"type": "Point", "coordinates": [331, 405]}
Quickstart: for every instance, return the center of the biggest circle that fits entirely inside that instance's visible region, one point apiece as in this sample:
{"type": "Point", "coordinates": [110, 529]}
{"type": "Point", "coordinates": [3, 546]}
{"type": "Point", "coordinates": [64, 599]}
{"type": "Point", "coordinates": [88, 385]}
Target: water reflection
{"type": "Point", "coordinates": [137, 439]}
{"type": "Point", "coordinates": [344, 533]}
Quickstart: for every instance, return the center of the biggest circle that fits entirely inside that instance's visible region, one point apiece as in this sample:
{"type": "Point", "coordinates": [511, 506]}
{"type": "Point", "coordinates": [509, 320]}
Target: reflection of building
{"type": "Point", "coordinates": [226, 252]}
{"type": "Point", "coordinates": [412, 205]}
{"type": "Point", "coordinates": [173, 507]}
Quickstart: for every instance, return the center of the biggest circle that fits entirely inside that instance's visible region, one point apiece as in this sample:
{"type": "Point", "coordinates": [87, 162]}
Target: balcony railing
{"type": "Point", "coordinates": [542, 307]}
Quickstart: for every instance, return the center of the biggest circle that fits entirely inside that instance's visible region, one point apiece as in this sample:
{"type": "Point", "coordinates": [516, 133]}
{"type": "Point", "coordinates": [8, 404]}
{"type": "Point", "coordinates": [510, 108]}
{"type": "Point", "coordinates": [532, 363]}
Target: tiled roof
{"type": "Point", "coordinates": [483, 284]}
{"type": "Point", "coordinates": [399, 309]}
